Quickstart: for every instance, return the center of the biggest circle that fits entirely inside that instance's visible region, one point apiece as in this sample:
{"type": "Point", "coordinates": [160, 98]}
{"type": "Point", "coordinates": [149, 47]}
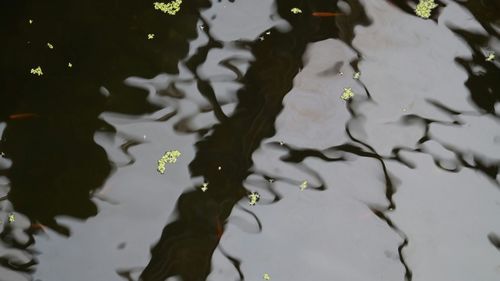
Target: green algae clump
{"type": "Point", "coordinates": [347, 94]}
{"type": "Point", "coordinates": [253, 198]}
{"type": "Point", "coordinates": [170, 8]}
{"type": "Point", "coordinates": [424, 8]}
{"type": "Point", "coordinates": [169, 157]}
{"type": "Point", "coordinates": [37, 71]}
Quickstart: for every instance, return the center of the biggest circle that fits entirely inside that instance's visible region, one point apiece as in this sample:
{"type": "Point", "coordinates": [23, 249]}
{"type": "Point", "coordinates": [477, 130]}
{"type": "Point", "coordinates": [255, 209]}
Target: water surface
{"type": "Point", "coordinates": [402, 180]}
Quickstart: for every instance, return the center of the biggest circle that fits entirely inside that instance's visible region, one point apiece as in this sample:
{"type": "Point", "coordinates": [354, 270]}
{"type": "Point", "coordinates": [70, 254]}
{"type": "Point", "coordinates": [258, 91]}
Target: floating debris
{"type": "Point", "coordinates": [219, 168]}
{"type": "Point", "coordinates": [303, 185]}
{"type": "Point", "coordinates": [356, 75]}
{"type": "Point", "coordinates": [347, 94]}
{"type": "Point", "coordinates": [70, 65]}
{"type": "Point", "coordinates": [30, 21]}
{"type": "Point", "coordinates": [169, 157]}
{"type": "Point", "coordinates": [266, 276]}
{"type": "Point", "coordinates": [296, 11]}
{"type": "Point", "coordinates": [424, 8]}
{"type": "Point", "coordinates": [490, 57]}
{"type": "Point", "coordinates": [171, 8]}
{"type": "Point", "coordinates": [204, 187]}
{"type": "Point", "coordinates": [37, 71]}
{"type": "Point", "coordinates": [12, 218]}
{"type": "Point", "coordinates": [254, 198]}
{"type": "Point", "coordinates": [341, 73]}
{"type": "Point", "coordinates": [50, 46]}
{"type": "Point", "coordinates": [282, 143]}
{"type": "Point", "coordinates": [271, 180]}
{"type": "Point", "coordinates": [151, 36]}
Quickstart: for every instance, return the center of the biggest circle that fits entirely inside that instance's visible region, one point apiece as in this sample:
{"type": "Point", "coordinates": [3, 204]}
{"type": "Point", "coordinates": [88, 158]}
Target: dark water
{"type": "Point", "coordinates": [402, 180]}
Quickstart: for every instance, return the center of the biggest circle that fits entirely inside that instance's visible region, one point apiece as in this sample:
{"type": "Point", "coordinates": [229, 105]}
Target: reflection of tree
{"type": "Point", "coordinates": [56, 164]}
{"type": "Point", "coordinates": [187, 244]}
{"type": "Point", "coordinates": [484, 86]}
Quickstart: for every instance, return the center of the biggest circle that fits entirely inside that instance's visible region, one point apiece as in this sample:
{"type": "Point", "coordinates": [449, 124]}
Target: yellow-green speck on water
{"type": "Point", "coordinates": [169, 157]}
{"type": "Point", "coordinates": [50, 46]}
{"type": "Point", "coordinates": [356, 75]}
{"type": "Point", "coordinates": [37, 71]}
{"type": "Point", "coordinates": [424, 8]}
{"type": "Point", "coordinates": [303, 185]}
{"type": "Point", "coordinates": [70, 65]}
{"type": "Point", "coordinates": [347, 94]}
{"type": "Point", "coordinates": [266, 276]}
{"type": "Point", "coordinates": [253, 198]}
{"type": "Point", "coordinates": [30, 21]}
{"type": "Point", "coordinates": [296, 11]}
{"type": "Point", "coordinates": [490, 57]}
{"type": "Point", "coordinates": [170, 8]}
{"type": "Point", "coordinates": [204, 187]}
{"type": "Point", "coordinates": [151, 36]}
{"type": "Point", "coordinates": [12, 218]}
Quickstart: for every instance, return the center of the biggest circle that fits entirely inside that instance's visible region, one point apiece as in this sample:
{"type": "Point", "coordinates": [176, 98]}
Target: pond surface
{"type": "Point", "coordinates": [398, 182]}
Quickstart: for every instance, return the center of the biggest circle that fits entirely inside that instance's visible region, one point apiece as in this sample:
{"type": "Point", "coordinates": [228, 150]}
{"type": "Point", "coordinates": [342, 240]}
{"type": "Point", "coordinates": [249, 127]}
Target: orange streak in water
{"type": "Point", "coordinates": [219, 229]}
{"type": "Point", "coordinates": [326, 14]}
{"type": "Point", "coordinates": [22, 116]}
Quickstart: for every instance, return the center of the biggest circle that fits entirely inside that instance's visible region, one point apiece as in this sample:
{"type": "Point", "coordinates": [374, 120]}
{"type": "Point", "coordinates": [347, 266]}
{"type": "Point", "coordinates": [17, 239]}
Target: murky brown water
{"type": "Point", "coordinates": [402, 179]}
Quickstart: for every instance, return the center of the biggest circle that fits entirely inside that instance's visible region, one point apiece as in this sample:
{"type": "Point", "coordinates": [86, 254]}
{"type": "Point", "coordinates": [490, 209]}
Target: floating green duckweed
{"type": "Point", "coordinates": [490, 57]}
{"type": "Point", "coordinates": [151, 36]}
{"type": "Point", "coordinates": [347, 94]}
{"type": "Point", "coordinates": [204, 187]}
{"type": "Point", "coordinates": [296, 11]}
{"type": "Point", "coordinates": [70, 65]}
{"type": "Point", "coordinates": [303, 185]}
{"type": "Point", "coordinates": [50, 46]}
{"type": "Point", "coordinates": [266, 276]}
{"type": "Point", "coordinates": [169, 157]}
{"type": "Point", "coordinates": [356, 75]}
{"type": "Point", "coordinates": [424, 8]}
{"type": "Point", "coordinates": [30, 21]}
{"type": "Point", "coordinates": [171, 8]}
{"type": "Point", "coordinates": [253, 198]}
{"type": "Point", "coordinates": [37, 71]}
{"type": "Point", "coordinates": [12, 218]}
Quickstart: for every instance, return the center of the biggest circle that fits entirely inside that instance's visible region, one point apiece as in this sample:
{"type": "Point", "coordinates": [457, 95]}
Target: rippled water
{"type": "Point", "coordinates": [402, 180]}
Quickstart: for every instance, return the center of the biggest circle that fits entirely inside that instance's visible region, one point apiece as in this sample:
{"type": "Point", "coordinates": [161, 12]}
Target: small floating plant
{"type": "Point", "coordinates": [424, 8]}
{"type": "Point", "coordinates": [296, 11]}
{"type": "Point", "coordinates": [253, 198]}
{"type": "Point", "coordinates": [266, 276]}
{"type": "Point", "coordinates": [170, 8]}
{"type": "Point", "coordinates": [347, 94]}
{"type": "Point", "coordinates": [37, 71]}
{"type": "Point", "coordinates": [303, 185]}
{"type": "Point", "coordinates": [169, 157]}
{"type": "Point", "coordinates": [490, 57]}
